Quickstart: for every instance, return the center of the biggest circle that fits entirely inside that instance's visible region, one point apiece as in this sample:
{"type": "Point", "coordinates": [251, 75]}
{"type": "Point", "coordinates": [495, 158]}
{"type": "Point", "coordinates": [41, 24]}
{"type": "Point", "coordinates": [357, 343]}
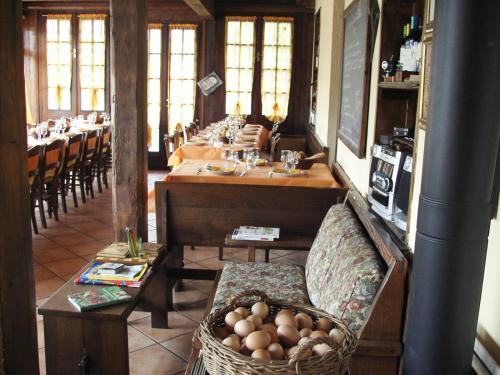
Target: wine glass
{"type": "Point", "coordinates": [285, 157]}
{"type": "Point", "coordinates": [294, 160]}
{"type": "Point", "coordinates": [235, 157]}
{"type": "Point", "coordinates": [44, 129]}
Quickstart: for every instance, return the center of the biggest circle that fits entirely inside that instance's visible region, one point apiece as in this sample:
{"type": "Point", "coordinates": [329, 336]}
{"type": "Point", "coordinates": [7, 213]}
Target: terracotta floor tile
{"type": "Point", "coordinates": [212, 263]}
{"type": "Point", "coordinates": [136, 315]}
{"type": "Point", "coordinates": [101, 234]}
{"type": "Point", "coordinates": [181, 345]}
{"type": "Point", "coordinates": [137, 340]}
{"type": "Point", "coordinates": [65, 267]}
{"type": "Point", "coordinates": [91, 247]}
{"type": "Point", "coordinates": [51, 255]}
{"type": "Point", "coordinates": [177, 323]}
{"type": "Point", "coordinates": [155, 360]}
{"type": "Point", "coordinates": [194, 311]}
{"type": "Point", "coordinates": [42, 243]}
{"type": "Point", "coordinates": [205, 286]}
{"type": "Point", "coordinates": [42, 273]}
{"type": "Point", "coordinates": [45, 288]}
{"type": "Point", "coordinates": [87, 226]}
{"type": "Point", "coordinates": [73, 239]}
{"type": "Point", "coordinates": [61, 231]}
{"type": "Point", "coordinates": [189, 294]}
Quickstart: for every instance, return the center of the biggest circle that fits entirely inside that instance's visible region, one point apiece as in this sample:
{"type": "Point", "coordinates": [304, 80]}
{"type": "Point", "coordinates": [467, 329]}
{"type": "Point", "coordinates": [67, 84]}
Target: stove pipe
{"type": "Point", "coordinates": [455, 202]}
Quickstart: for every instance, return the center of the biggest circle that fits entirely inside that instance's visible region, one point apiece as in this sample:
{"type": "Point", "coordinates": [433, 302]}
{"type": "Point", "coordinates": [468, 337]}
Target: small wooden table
{"type": "Point", "coordinates": [285, 243]}
{"type": "Point", "coordinates": [96, 342]}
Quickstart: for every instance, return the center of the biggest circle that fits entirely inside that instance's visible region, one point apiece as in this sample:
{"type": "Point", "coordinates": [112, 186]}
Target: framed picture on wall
{"type": "Point", "coordinates": [209, 84]}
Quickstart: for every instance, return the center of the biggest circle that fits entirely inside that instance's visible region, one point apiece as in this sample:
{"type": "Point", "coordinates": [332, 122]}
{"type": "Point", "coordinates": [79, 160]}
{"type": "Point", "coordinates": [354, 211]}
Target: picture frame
{"type": "Point", "coordinates": [209, 83]}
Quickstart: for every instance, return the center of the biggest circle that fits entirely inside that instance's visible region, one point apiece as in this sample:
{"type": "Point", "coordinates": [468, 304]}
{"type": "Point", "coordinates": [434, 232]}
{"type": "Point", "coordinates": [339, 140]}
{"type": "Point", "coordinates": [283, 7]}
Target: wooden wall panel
{"type": "Point", "coordinates": [18, 338]}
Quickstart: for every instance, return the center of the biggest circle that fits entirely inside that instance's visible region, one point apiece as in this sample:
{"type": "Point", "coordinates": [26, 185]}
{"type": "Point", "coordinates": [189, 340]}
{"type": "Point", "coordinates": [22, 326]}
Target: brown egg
{"type": "Point", "coordinates": [285, 311]}
{"type": "Point", "coordinates": [306, 354]}
{"type": "Point", "coordinates": [323, 324]}
{"type": "Point", "coordinates": [261, 354]}
{"type": "Point", "coordinates": [258, 340]}
{"type": "Point", "coordinates": [288, 335]}
{"type": "Point", "coordinates": [269, 319]}
{"type": "Point", "coordinates": [337, 335]}
{"type": "Point", "coordinates": [276, 351]}
{"type": "Point", "coordinates": [232, 342]}
{"type": "Point", "coordinates": [243, 312]}
{"type": "Point", "coordinates": [305, 332]}
{"type": "Point", "coordinates": [231, 319]}
{"type": "Point", "coordinates": [244, 349]}
{"type": "Point", "coordinates": [320, 349]}
{"type": "Point", "coordinates": [256, 320]}
{"type": "Point", "coordinates": [316, 334]}
{"type": "Point", "coordinates": [272, 329]}
{"type": "Point", "coordinates": [285, 319]}
{"type": "Point", "coordinates": [244, 327]}
{"type": "Point", "coordinates": [221, 332]}
{"type": "Point", "coordinates": [304, 320]}
{"type": "Point", "coordinates": [260, 309]}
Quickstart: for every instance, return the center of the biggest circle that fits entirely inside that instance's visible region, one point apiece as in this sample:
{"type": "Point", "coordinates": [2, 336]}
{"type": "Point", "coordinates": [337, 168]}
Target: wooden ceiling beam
{"type": "Point", "coordinates": [204, 8]}
{"type": "Point", "coordinates": [306, 3]}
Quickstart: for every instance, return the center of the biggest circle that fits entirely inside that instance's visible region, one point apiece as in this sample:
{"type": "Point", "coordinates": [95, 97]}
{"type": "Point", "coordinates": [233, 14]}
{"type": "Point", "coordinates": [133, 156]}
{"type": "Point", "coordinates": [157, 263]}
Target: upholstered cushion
{"type": "Point", "coordinates": [284, 282]}
{"type": "Point", "coordinates": [343, 271]}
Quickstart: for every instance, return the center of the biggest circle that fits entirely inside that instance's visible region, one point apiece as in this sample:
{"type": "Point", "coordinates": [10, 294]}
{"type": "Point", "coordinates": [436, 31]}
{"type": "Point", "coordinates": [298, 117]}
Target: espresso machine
{"type": "Point", "coordinates": [389, 185]}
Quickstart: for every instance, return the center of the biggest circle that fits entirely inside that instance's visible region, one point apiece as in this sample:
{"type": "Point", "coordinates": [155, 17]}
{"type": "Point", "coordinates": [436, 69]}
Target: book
{"type": "Point", "coordinates": [110, 268]}
{"type": "Point", "coordinates": [127, 273]}
{"type": "Point", "coordinates": [84, 278]}
{"type": "Point", "coordinates": [115, 250]}
{"type": "Point", "coordinates": [95, 298]}
{"type": "Point", "coordinates": [251, 233]}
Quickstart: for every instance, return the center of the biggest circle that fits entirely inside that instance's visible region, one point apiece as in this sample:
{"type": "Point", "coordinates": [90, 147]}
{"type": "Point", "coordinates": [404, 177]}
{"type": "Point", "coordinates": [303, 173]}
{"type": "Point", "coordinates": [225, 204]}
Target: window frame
{"type": "Point", "coordinates": [45, 113]}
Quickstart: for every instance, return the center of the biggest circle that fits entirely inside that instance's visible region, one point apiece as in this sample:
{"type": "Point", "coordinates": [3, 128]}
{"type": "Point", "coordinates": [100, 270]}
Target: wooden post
{"type": "Point", "coordinates": [129, 113]}
{"type": "Point", "coordinates": [18, 339]}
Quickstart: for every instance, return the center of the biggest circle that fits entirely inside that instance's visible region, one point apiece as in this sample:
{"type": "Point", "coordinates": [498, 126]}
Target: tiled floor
{"type": "Point", "coordinates": [66, 246]}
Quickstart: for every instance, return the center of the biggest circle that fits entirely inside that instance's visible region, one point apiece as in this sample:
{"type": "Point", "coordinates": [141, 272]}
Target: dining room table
{"type": "Point", "coordinates": [252, 135]}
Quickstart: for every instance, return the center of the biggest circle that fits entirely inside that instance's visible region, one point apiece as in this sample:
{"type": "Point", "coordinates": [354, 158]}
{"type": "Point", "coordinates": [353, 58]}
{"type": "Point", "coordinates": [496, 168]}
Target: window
{"type": "Point", "coordinates": [276, 67]}
{"type": "Point", "coordinates": [59, 62]}
{"type": "Point", "coordinates": [154, 86]}
{"type": "Point", "coordinates": [182, 75]}
{"type": "Point", "coordinates": [240, 47]}
{"type": "Point", "coordinates": [92, 58]}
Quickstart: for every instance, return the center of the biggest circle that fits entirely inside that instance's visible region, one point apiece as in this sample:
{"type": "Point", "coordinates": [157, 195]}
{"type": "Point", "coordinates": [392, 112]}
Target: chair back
{"type": "Point", "coordinates": [178, 139]}
{"type": "Point", "coordinates": [168, 140]}
{"type": "Point", "coordinates": [105, 140]}
{"type": "Point", "coordinates": [34, 157]}
{"type": "Point", "coordinates": [91, 145]}
{"type": "Point", "coordinates": [73, 152]}
{"type": "Point", "coordinates": [52, 160]}
{"type": "Point", "coordinates": [189, 132]}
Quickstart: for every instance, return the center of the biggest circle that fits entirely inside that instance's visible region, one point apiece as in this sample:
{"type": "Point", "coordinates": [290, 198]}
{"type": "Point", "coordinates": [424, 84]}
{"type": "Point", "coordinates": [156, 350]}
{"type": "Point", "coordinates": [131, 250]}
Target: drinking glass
{"type": "Point", "coordinates": [294, 160]}
{"type": "Point", "coordinates": [235, 157]}
{"type": "Point", "coordinates": [44, 129]}
{"type": "Point", "coordinates": [251, 156]}
{"type": "Point", "coordinates": [285, 158]}
{"type": "Point", "coordinates": [226, 156]}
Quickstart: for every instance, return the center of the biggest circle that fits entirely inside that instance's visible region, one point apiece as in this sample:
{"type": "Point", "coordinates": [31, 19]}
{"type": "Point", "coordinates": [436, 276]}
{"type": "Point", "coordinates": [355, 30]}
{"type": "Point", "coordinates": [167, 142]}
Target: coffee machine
{"type": "Point", "coordinates": [390, 176]}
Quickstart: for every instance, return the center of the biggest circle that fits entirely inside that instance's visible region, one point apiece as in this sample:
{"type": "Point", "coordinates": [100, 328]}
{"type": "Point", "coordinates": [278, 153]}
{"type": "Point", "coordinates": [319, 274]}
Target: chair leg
{"type": "Point", "coordinates": [105, 175]}
{"type": "Point", "coordinates": [221, 253]}
{"type": "Point", "coordinates": [62, 188]}
{"type": "Point", "coordinates": [267, 256]}
{"type": "Point", "coordinates": [54, 199]}
{"type": "Point", "coordinates": [98, 175]}
{"type": "Point", "coordinates": [73, 187]}
{"type": "Point", "coordinates": [40, 205]}
{"type": "Point", "coordinates": [33, 216]}
{"type": "Point", "coordinates": [81, 178]}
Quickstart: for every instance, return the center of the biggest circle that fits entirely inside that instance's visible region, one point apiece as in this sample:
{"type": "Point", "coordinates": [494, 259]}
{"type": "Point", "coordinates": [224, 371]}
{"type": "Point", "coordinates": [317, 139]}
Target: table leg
{"type": "Point", "coordinates": [251, 254]}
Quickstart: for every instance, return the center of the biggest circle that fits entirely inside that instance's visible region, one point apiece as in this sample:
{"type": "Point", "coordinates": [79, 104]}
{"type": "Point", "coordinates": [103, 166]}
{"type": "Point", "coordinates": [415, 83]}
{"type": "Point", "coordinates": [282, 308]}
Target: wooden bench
{"type": "Point", "coordinates": [379, 347]}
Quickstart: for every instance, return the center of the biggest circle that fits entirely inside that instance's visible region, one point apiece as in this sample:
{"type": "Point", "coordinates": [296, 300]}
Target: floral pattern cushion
{"type": "Point", "coordinates": [285, 282]}
{"type": "Point", "coordinates": [343, 270]}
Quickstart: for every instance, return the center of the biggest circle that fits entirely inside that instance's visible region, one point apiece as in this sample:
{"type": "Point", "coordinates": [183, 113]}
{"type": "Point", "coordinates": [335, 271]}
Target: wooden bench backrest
{"type": "Point", "coordinates": [202, 214]}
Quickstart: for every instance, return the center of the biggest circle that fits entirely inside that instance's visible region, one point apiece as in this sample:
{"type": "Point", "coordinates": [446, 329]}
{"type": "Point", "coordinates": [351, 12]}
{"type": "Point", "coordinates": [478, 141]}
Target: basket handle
{"type": "Point", "coordinates": [305, 346]}
{"type": "Point", "coordinates": [234, 300]}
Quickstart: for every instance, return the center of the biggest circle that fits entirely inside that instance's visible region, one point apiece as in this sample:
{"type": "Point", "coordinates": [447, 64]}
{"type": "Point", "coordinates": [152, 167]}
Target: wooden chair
{"type": "Point", "coordinates": [100, 164]}
{"type": "Point", "coordinates": [85, 169]}
{"type": "Point", "coordinates": [34, 158]}
{"type": "Point", "coordinates": [188, 130]}
{"type": "Point", "coordinates": [178, 139]}
{"type": "Point", "coordinates": [168, 140]}
{"type": "Point", "coordinates": [70, 167]}
{"type": "Point", "coordinates": [48, 182]}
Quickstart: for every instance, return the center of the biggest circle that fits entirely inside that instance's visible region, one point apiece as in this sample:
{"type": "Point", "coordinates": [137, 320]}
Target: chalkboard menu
{"type": "Point", "coordinates": [355, 77]}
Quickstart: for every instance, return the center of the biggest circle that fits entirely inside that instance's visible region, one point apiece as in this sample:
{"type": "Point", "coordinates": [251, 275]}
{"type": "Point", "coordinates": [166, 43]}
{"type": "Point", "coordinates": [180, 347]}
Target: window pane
{"type": "Point", "coordinates": [239, 65]}
{"type": "Point", "coordinates": [154, 68]}
{"type": "Point", "coordinates": [155, 41]}
{"type": "Point", "coordinates": [182, 75]}
{"type": "Point", "coordinates": [92, 58]}
{"type": "Point", "coordinates": [154, 90]}
{"type": "Point", "coordinates": [59, 62]}
{"type": "Point", "coordinates": [277, 65]}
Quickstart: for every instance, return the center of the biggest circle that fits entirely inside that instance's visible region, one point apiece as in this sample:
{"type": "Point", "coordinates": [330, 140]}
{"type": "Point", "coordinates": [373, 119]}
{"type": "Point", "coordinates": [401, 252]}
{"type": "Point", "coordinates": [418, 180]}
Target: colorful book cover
{"type": "Point", "coordinates": [96, 298]}
{"type": "Point", "coordinates": [84, 278]}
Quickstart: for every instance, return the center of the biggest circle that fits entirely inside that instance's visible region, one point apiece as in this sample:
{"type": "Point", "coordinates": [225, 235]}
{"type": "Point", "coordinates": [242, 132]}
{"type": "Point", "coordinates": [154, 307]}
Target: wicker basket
{"type": "Point", "coordinates": [220, 360]}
